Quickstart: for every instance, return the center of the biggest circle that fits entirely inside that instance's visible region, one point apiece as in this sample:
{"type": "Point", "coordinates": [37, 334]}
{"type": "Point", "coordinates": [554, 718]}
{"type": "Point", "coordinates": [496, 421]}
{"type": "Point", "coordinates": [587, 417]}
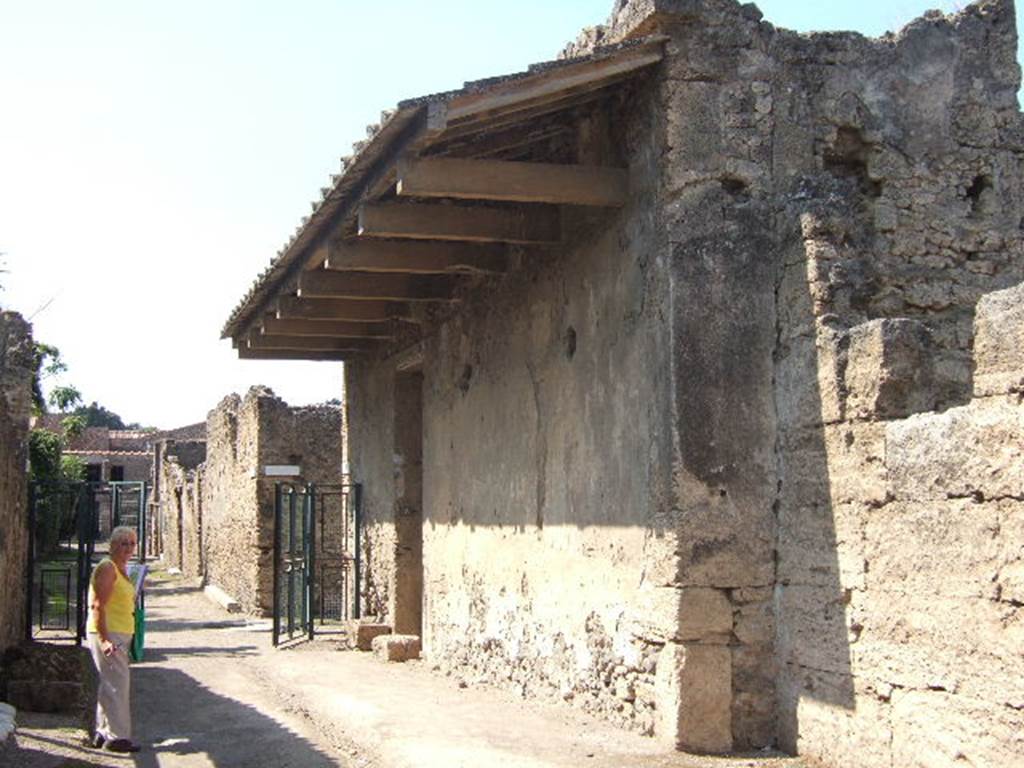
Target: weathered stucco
{"type": "Point", "coordinates": [16, 370]}
{"type": "Point", "coordinates": [547, 537]}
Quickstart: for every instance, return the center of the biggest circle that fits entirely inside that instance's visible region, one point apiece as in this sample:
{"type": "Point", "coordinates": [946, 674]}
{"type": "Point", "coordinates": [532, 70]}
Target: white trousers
{"type": "Point", "coordinates": [113, 702]}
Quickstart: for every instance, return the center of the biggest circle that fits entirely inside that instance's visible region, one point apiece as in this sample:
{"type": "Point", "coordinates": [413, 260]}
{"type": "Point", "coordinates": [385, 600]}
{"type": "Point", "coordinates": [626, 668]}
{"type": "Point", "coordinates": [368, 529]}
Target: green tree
{"type": "Point", "coordinates": [48, 363]}
{"type": "Point", "coordinates": [96, 415]}
{"type": "Point", "coordinates": [65, 398]}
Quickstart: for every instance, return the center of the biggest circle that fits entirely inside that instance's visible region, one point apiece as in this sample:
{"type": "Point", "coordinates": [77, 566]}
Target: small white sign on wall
{"type": "Point", "coordinates": [282, 470]}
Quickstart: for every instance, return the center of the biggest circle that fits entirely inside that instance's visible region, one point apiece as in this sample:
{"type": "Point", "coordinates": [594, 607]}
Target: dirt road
{"type": "Point", "coordinates": [213, 692]}
{"type": "Point", "coordinates": [202, 697]}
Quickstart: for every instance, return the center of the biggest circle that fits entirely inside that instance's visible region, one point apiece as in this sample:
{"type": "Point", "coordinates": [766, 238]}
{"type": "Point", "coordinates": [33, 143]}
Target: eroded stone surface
{"type": "Point", "coordinates": [396, 647]}
{"type": "Point", "coordinates": [17, 365]}
{"type": "Point", "coordinates": [757, 472]}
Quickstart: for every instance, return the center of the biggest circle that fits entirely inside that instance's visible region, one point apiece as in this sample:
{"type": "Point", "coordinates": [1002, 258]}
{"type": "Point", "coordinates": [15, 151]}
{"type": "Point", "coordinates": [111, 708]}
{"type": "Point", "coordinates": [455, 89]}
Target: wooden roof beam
{"type": "Point", "coordinates": [338, 329]}
{"type": "Point", "coordinates": [513, 181]}
{"type": "Point", "coordinates": [553, 85]}
{"type": "Point", "coordinates": [365, 285]}
{"type": "Point", "coordinates": [540, 225]}
{"type": "Point", "coordinates": [314, 343]}
{"type": "Point", "coordinates": [415, 257]}
{"type": "Point", "coordinates": [292, 307]}
{"type": "Point", "coordinates": [246, 353]}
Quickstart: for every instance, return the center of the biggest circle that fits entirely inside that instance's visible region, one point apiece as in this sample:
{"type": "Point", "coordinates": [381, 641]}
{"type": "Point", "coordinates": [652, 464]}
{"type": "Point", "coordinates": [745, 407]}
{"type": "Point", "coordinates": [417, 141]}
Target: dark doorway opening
{"type": "Point", "coordinates": [408, 431]}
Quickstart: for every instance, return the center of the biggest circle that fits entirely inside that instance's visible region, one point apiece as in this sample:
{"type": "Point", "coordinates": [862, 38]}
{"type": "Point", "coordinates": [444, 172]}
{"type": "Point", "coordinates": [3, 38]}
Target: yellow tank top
{"type": "Point", "coordinates": [120, 608]}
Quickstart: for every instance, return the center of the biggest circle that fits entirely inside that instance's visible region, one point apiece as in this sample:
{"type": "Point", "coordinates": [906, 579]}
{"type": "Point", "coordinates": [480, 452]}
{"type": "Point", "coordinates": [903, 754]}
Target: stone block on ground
{"type": "Point", "coordinates": [396, 647]}
{"type": "Point", "coordinates": [222, 598]}
{"type": "Point", "coordinates": [694, 697]}
{"type": "Point", "coordinates": [361, 633]}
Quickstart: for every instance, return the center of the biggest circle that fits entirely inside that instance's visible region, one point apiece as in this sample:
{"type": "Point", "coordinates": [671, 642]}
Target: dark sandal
{"type": "Point", "coordinates": [122, 745]}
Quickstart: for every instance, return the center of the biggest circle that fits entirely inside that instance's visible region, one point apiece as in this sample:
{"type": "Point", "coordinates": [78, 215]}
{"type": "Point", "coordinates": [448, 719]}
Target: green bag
{"type": "Point", "coordinates": [137, 575]}
{"type": "Point", "coordinates": [139, 638]}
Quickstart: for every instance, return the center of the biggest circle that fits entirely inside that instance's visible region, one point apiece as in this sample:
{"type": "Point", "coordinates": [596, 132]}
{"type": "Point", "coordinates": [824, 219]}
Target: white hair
{"type": "Point", "coordinates": [121, 533]}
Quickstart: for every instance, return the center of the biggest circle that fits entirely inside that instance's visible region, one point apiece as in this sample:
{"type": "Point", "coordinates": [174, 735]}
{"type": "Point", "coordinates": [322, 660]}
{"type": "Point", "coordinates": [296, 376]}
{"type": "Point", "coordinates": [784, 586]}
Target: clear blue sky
{"type": "Point", "coordinates": [155, 155]}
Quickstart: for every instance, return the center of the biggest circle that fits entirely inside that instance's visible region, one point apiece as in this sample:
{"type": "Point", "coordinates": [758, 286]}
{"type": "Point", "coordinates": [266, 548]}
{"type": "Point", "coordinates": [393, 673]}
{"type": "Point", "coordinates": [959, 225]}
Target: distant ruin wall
{"type": "Point", "coordinates": [16, 370]}
{"type": "Point", "coordinates": [182, 513]}
{"type": "Point", "coordinates": [243, 437]}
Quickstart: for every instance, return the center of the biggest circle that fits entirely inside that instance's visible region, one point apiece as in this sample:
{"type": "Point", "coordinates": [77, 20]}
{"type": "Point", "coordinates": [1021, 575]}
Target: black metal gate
{"type": "Point", "coordinates": [316, 559]}
{"type": "Point", "coordinates": [68, 525]}
{"type": "Point", "coordinates": [62, 537]}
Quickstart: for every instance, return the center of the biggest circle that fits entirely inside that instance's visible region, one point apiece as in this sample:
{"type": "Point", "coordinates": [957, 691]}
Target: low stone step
{"type": "Point", "coordinates": [396, 647]}
{"type": "Point", "coordinates": [222, 598]}
{"type": "Point", "coordinates": [361, 633]}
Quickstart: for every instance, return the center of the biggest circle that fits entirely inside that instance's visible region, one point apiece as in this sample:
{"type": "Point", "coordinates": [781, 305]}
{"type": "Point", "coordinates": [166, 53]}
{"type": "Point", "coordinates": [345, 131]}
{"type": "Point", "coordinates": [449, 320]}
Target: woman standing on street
{"type": "Point", "coordinates": [110, 627]}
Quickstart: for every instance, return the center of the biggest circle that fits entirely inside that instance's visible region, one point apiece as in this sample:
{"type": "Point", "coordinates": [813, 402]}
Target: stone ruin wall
{"type": "Point", "coordinates": [547, 541]}
{"type": "Point", "coordinates": [370, 404]}
{"type": "Point", "coordinates": [237, 501]}
{"type": "Point", "coordinates": [16, 370]}
{"type": "Point", "coordinates": [833, 209]}
{"type": "Point", "coordinates": [887, 630]}
{"type": "Point", "coordinates": [836, 207]}
{"type": "Point", "coordinates": [310, 437]}
{"type": "Point", "coordinates": [181, 482]}
{"type": "Point", "coordinates": [230, 507]}
{"type": "Point", "coordinates": [875, 186]}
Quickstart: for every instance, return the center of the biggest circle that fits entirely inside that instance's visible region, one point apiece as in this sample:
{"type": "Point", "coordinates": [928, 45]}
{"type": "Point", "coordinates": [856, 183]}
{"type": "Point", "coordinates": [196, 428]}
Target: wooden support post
{"type": "Point", "coordinates": [513, 181]}
{"type": "Point", "coordinates": [526, 225]}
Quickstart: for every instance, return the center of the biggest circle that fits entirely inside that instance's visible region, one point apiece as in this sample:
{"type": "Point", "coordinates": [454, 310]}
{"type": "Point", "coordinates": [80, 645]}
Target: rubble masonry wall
{"type": "Point", "coordinates": [237, 500]}
{"type": "Point", "coordinates": [875, 186]}
{"type": "Point", "coordinates": [16, 371]}
{"type": "Point", "coordinates": [182, 515]}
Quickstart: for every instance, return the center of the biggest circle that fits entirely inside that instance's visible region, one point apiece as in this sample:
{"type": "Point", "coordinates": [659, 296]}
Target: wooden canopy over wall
{"type": "Point", "coordinates": [449, 188]}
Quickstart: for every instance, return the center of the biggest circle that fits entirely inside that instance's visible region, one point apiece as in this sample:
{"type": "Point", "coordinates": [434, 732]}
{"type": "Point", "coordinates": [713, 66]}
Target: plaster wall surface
{"type": "Point", "coordinates": [547, 541]}
{"type": "Point", "coordinates": [16, 370]}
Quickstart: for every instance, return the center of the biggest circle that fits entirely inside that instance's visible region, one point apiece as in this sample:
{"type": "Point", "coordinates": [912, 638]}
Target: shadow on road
{"type": "Point", "coordinates": [176, 715]}
{"type": "Point", "coordinates": [156, 655]}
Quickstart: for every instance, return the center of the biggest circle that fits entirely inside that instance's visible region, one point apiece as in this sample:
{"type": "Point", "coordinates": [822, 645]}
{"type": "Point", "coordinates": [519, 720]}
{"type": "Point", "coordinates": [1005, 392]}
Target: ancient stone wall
{"type": "Point", "coordinates": [237, 500]}
{"type": "Point", "coordinates": [547, 538]}
{"type": "Point", "coordinates": [309, 437]}
{"type": "Point", "coordinates": [16, 369]}
{"type": "Point", "coordinates": [909, 214]}
{"type": "Point", "coordinates": [230, 503]}
{"type": "Point", "coordinates": [838, 206]}
{"type": "Point", "coordinates": [182, 513]}
{"type": "Point", "coordinates": [740, 403]}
